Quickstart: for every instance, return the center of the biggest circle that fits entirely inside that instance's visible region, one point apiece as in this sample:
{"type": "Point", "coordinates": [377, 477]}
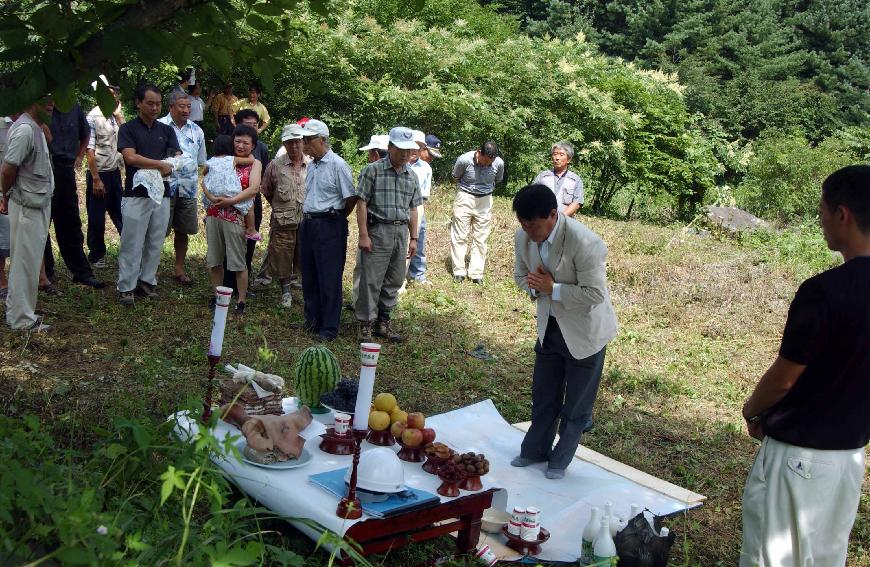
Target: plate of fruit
{"type": "Point", "coordinates": [475, 465]}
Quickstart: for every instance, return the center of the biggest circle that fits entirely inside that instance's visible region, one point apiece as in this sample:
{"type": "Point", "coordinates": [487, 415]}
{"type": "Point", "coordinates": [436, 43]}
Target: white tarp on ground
{"type": "Point", "coordinates": [565, 504]}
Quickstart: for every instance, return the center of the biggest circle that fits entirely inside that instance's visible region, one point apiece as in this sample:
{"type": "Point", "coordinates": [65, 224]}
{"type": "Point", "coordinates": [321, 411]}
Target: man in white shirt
{"type": "Point", "coordinates": [564, 183]}
{"type": "Point", "coordinates": [417, 264]}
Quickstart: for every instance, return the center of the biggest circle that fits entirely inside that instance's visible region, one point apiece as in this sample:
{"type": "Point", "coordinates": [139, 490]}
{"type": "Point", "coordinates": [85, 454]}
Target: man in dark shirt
{"type": "Point", "coordinates": [811, 409]}
{"type": "Point", "coordinates": [144, 142]}
{"type": "Point", "coordinates": [69, 139]}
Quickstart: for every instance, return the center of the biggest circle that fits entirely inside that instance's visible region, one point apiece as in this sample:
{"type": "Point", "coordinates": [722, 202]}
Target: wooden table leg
{"type": "Point", "coordinates": [468, 536]}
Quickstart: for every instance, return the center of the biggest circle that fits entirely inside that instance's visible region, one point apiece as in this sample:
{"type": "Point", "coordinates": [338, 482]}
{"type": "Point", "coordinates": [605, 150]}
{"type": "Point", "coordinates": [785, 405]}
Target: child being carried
{"type": "Point", "coordinates": [221, 182]}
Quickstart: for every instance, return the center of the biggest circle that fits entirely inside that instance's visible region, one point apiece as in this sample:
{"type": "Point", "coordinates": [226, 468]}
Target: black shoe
{"type": "Point", "coordinates": [90, 281]}
{"type": "Point", "coordinates": [349, 306]}
{"type": "Point", "coordinates": [477, 281]}
{"type": "Point", "coordinates": [325, 338]}
{"type": "Point", "coordinates": [240, 308]}
{"type": "Point", "coordinates": [458, 279]}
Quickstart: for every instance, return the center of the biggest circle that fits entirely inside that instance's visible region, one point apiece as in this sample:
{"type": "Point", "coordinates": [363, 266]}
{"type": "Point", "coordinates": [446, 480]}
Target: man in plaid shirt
{"type": "Point", "coordinates": [386, 214]}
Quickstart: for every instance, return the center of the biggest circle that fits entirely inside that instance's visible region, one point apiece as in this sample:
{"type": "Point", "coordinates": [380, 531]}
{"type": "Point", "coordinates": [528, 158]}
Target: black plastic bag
{"type": "Point", "coordinates": [639, 546]}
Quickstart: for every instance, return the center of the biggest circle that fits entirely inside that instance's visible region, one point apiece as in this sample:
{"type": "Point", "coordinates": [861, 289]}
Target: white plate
{"type": "Point", "coordinates": [303, 460]}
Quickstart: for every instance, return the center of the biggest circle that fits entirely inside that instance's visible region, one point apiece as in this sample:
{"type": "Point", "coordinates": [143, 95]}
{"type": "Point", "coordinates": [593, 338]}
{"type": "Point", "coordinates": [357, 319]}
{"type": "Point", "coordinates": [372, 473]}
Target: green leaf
{"type": "Point", "coordinates": [115, 450]}
{"type": "Point", "coordinates": [64, 99]}
{"type": "Point", "coordinates": [268, 9]}
{"type": "Point", "coordinates": [258, 22]}
{"type": "Point", "coordinates": [320, 7]}
{"type": "Point", "coordinates": [171, 479]}
{"type": "Point", "coordinates": [76, 556]}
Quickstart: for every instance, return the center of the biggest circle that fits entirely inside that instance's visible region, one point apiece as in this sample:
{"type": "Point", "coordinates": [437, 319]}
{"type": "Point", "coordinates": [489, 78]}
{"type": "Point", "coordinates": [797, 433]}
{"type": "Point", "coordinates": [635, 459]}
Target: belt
{"type": "Point", "coordinates": [475, 194]}
{"type": "Point", "coordinates": [375, 220]}
{"type": "Point", "coordinates": [326, 214]}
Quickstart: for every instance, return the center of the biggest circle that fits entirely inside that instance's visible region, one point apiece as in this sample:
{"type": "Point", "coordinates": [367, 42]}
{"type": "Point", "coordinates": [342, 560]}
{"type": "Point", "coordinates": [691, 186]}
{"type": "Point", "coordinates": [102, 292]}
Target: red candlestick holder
{"type": "Point", "coordinates": [349, 507]}
{"type": "Point", "coordinates": [209, 392]}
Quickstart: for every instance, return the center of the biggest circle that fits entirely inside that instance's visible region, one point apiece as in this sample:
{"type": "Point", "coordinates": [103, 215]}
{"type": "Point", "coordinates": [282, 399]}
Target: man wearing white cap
{"type": "Point", "coordinates": [329, 198]}
{"type": "Point", "coordinates": [376, 148]}
{"type": "Point", "coordinates": [386, 215]}
{"type": "Point", "coordinates": [417, 265]}
{"type": "Point", "coordinates": [284, 187]}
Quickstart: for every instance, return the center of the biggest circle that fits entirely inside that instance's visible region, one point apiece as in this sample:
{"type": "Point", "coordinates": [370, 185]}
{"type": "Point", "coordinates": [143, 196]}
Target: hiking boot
{"type": "Point", "coordinates": [382, 329]}
{"type": "Point", "coordinates": [127, 298]}
{"type": "Point", "coordinates": [286, 300]}
{"type": "Point", "coordinates": [147, 290]}
{"type": "Point", "coordinates": [365, 331]}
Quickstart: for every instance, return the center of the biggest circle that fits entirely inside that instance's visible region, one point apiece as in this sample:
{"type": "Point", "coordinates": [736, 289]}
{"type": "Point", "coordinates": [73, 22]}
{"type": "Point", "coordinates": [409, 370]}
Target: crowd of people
{"type": "Point", "coordinates": [809, 408]}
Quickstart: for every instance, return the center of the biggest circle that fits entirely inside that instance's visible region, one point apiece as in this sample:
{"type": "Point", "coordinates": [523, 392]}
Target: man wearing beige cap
{"type": "Point", "coordinates": [284, 188]}
{"type": "Point", "coordinates": [386, 215]}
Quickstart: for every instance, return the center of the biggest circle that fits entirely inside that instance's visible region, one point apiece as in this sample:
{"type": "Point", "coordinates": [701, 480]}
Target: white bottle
{"type": "Point", "coordinates": [664, 532]}
{"type": "Point", "coordinates": [612, 520]}
{"type": "Point", "coordinates": [635, 510]}
{"type": "Point", "coordinates": [589, 533]}
{"type": "Point", "coordinates": [604, 550]}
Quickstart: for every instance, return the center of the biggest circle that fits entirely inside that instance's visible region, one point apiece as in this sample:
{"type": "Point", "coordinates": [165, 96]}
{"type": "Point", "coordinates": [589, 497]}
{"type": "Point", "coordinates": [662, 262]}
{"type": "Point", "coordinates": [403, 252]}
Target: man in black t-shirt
{"type": "Point", "coordinates": [144, 142]}
{"type": "Point", "coordinates": [811, 409]}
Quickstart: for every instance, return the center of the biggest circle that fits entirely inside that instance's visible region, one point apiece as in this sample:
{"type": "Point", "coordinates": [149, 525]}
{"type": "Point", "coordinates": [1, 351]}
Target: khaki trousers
{"type": "Point", "coordinates": [142, 238]}
{"type": "Point", "coordinates": [471, 222]}
{"type": "Point", "coordinates": [282, 250]}
{"type": "Point", "coordinates": [28, 229]}
{"type": "Point", "coordinates": [382, 271]}
{"type": "Point", "coordinates": [799, 505]}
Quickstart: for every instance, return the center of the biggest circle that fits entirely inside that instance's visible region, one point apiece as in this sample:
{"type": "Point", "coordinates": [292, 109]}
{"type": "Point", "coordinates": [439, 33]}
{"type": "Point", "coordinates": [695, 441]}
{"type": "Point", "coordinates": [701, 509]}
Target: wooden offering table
{"type": "Point", "coordinates": [461, 515]}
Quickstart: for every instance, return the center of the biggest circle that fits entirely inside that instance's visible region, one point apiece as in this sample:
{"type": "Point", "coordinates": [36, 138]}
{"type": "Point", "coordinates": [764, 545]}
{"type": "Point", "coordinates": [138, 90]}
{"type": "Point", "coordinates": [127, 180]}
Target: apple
{"type": "Point", "coordinates": [428, 435]}
{"type": "Point", "coordinates": [397, 429]}
{"type": "Point", "coordinates": [412, 437]}
{"type": "Point", "coordinates": [416, 420]}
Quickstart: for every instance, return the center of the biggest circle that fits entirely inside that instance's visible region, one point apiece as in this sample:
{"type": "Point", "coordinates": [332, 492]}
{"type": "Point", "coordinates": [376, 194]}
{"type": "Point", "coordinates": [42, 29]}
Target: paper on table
{"type": "Point", "coordinates": [314, 429]}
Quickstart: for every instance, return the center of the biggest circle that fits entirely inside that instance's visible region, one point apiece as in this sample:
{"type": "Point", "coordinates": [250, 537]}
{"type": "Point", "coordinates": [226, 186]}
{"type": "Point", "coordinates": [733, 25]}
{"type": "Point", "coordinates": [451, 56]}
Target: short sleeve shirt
{"type": "Point", "coordinates": [328, 184]}
{"type": "Point", "coordinates": [424, 175]}
{"type": "Point", "coordinates": [155, 142]}
{"type": "Point", "coordinates": [828, 330]}
{"type": "Point", "coordinates": [477, 179]}
{"type": "Point", "coordinates": [68, 131]}
{"type": "Point", "coordinates": [257, 107]}
{"type": "Point", "coordinates": [568, 187]}
{"type": "Point", "coordinates": [389, 194]}
{"type": "Point", "coordinates": [184, 182]}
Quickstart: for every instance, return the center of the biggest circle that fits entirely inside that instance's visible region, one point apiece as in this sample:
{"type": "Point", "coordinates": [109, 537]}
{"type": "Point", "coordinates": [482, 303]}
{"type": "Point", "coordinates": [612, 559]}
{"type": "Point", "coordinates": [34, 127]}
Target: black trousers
{"type": "Point", "coordinates": [230, 277]}
{"type": "Point", "coordinates": [324, 248]}
{"type": "Point", "coordinates": [98, 207]}
{"type": "Point", "coordinates": [67, 225]}
{"type": "Point", "coordinates": [563, 393]}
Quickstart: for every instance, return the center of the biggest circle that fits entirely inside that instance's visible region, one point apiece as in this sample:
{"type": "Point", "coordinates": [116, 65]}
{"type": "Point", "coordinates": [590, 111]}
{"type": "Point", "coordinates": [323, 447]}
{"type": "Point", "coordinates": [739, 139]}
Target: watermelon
{"type": "Point", "coordinates": [315, 373]}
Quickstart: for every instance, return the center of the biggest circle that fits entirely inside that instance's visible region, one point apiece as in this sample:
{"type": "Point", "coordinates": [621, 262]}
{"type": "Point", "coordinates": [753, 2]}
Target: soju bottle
{"type": "Point", "coordinates": [604, 550]}
{"type": "Point", "coordinates": [589, 535]}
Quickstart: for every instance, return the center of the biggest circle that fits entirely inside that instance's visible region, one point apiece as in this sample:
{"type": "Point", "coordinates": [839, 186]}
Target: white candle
{"type": "Point", "coordinates": [219, 323]}
{"type": "Point", "coordinates": [368, 353]}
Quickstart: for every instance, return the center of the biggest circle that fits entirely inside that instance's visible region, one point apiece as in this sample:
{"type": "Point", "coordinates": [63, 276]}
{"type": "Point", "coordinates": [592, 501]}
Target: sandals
{"type": "Point", "coordinates": [49, 289]}
{"type": "Point", "coordinates": [255, 236]}
{"type": "Point", "coordinates": [183, 279]}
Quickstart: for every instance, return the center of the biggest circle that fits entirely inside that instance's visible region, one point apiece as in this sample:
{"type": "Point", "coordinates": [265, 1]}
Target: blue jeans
{"type": "Point", "coordinates": [417, 268]}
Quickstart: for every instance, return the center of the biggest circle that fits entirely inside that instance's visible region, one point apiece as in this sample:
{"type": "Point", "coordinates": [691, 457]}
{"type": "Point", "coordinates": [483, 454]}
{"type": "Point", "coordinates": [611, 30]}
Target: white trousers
{"type": "Point", "coordinates": [471, 222]}
{"type": "Point", "coordinates": [28, 229]}
{"type": "Point", "coordinates": [142, 236]}
{"type": "Point", "coordinates": [799, 506]}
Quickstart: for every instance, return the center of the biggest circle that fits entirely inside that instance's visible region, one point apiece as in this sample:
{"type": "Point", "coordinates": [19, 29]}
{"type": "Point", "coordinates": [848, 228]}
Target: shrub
{"type": "Point", "coordinates": [784, 179]}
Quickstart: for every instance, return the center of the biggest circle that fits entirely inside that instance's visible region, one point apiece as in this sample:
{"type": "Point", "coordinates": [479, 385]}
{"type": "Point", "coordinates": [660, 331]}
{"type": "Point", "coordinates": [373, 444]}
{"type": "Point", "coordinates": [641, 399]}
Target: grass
{"type": "Point", "coordinates": [700, 320]}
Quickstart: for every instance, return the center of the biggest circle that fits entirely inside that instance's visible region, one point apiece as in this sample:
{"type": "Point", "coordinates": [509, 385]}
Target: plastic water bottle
{"type": "Point", "coordinates": [604, 550]}
{"type": "Point", "coordinates": [589, 533]}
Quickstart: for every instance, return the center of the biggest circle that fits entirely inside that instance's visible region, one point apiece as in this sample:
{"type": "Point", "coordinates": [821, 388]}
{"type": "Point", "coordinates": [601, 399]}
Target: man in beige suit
{"type": "Point", "coordinates": [561, 264]}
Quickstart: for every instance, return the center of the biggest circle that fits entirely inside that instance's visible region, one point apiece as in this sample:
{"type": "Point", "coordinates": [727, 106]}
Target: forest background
{"type": "Point", "coordinates": [671, 105]}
